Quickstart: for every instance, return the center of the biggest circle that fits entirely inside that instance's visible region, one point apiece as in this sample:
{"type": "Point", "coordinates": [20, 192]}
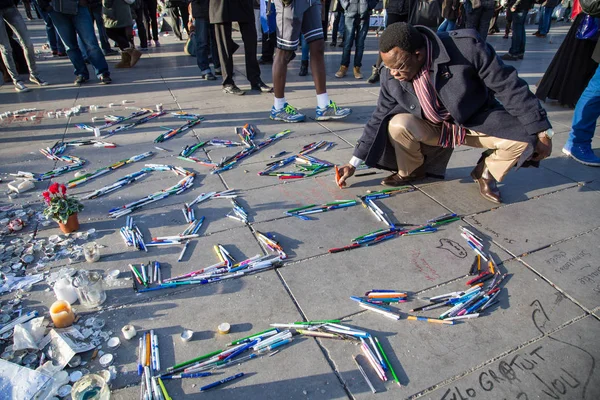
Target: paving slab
{"type": "Point", "coordinates": [561, 365]}
{"type": "Point", "coordinates": [299, 368]}
{"type": "Point", "coordinates": [553, 215]}
{"type": "Point", "coordinates": [412, 345]}
{"type": "Point", "coordinates": [412, 264]}
{"type": "Point", "coordinates": [572, 266]}
{"type": "Point", "coordinates": [306, 239]}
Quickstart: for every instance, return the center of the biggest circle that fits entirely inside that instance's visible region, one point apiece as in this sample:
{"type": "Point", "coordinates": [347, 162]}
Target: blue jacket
{"type": "Point", "coordinates": [478, 89]}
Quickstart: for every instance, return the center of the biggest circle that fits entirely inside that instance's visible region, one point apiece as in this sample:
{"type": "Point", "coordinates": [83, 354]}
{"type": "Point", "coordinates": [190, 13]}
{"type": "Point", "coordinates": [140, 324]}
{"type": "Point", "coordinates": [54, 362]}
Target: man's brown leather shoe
{"type": "Point", "coordinates": [487, 186]}
{"type": "Point", "coordinates": [397, 180]}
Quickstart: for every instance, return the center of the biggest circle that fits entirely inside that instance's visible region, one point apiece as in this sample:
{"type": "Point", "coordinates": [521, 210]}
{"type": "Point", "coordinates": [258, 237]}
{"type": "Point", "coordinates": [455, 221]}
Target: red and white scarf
{"type": "Point", "coordinates": [453, 135]}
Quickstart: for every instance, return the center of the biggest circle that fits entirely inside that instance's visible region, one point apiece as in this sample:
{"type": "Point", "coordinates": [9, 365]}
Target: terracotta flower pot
{"type": "Point", "coordinates": [71, 226]}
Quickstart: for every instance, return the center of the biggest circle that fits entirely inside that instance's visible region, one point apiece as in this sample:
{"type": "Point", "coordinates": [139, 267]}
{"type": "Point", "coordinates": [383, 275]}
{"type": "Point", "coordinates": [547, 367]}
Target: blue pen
{"type": "Point", "coordinates": [193, 375]}
{"type": "Point", "coordinates": [163, 286]}
{"type": "Point", "coordinates": [240, 350]}
{"type": "Point", "coordinates": [222, 381]}
{"type": "Point", "coordinates": [278, 344]}
{"type": "Point", "coordinates": [478, 304]}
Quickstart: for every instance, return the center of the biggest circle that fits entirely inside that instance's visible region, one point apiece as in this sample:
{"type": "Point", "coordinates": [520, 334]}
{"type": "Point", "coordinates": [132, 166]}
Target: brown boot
{"type": "Point", "coordinates": [487, 186]}
{"type": "Point", "coordinates": [135, 55]}
{"type": "Point", "coordinates": [357, 73]}
{"type": "Point", "coordinates": [342, 72]}
{"type": "Point", "coordinates": [395, 180]}
{"type": "Point", "coordinates": [125, 61]}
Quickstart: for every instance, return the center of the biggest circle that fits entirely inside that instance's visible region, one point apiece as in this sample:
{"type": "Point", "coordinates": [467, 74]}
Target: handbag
{"type": "Point", "coordinates": [588, 28]}
{"type": "Point", "coordinates": [190, 45]}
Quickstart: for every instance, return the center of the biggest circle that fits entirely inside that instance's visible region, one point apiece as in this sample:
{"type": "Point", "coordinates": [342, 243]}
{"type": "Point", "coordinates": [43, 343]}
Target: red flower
{"type": "Point", "coordinates": [63, 189]}
{"type": "Point", "coordinates": [53, 188]}
{"type": "Point", "coordinates": [46, 195]}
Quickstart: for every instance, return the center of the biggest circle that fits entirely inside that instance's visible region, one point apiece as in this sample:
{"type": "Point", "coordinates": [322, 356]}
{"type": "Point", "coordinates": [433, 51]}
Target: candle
{"type": "Point", "coordinates": [65, 291]}
{"type": "Point", "coordinates": [61, 314]}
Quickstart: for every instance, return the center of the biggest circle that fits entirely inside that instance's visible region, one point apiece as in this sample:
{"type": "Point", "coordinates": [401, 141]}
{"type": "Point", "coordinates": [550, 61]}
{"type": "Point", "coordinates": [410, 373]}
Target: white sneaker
{"type": "Point", "coordinates": [20, 87]}
{"type": "Point", "coordinates": [37, 80]}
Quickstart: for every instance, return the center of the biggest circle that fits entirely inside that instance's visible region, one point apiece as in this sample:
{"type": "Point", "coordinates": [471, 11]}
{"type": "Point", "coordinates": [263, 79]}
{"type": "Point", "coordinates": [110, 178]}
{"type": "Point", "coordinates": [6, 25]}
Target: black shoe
{"type": "Point", "coordinates": [264, 61]}
{"type": "Point", "coordinates": [303, 68]}
{"type": "Point", "coordinates": [510, 57]}
{"type": "Point", "coordinates": [374, 78]}
{"type": "Point", "coordinates": [341, 44]}
{"type": "Point", "coordinates": [79, 79]}
{"type": "Point", "coordinates": [261, 87]}
{"type": "Point", "coordinates": [233, 89]}
{"type": "Point", "coordinates": [105, 79]}
{"type": "Point", "coordinates": [332, 44]}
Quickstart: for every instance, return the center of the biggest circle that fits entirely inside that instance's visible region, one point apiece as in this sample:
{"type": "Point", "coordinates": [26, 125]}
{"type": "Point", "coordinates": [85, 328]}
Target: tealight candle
{"type": "Point", "coordinates": [62, 314]}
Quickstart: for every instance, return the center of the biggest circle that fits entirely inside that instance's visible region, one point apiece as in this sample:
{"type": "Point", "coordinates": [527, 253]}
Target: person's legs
{"type": "Point", "coordinates": [81, 46]}
{"type": "Point", "coordinates": [214, 50]}
{"type": "Point", "coordinates": [363, 30]}
{"type": "Point", "coordinates": [546, 20]}
{"type": "Point", "coordinates": [484, 21]}
{"type": "Point", "coordinates": [473, 19]}
{"type": "Point", "coordinates": [506, 152]}
{"type": "Point", "coordinates": [508, 23]}
{"type": "Point", "coordinates": [250, 39]}
{"type": "Point", "coordinates": [142, 29]}
{"type": "Point", "coordinates": [451, 26]}
{"type": "Point", "coordinates": [406, 133]}
{"type": "Point", "coordinates": [85, 29]}
{"type": "Point", "coordinates": [97, 16]}
{"type": "Point", "coordinates": [587, 111]}
{"type": "Point", "coordinates": [351, 22]}
{"type": "Point", "coordinates": [517, 47]}
{"type": "Point", "coordinates": [305, 48]}
{"type": "Point", "coordinates": [342, 28]}
{"type": "Point", "coordinates": [151, 21]}
{"type": "Point", "coordinates": [225, 46]}
{"type": "Point", "coordinates": [202, 44]}
{"type": "Point", "coordinates": [185, 17]}
{"type": "Point", "coordinates": [443, 26]}
{"type": "Point", "coordinates": [174, 21]}
{"type": "Point", "coordinates": [335, 27]}
{"type": "Point", "coordinates": [15, 21]}
{"type": "Point", "coordinates": [65, 26]}
{"type": "Point", "coordinates": [6, 51]}
{"type": "Point", "coordinates": [27, 7]}
{"type": "Point", "coordinates": [119, 35]}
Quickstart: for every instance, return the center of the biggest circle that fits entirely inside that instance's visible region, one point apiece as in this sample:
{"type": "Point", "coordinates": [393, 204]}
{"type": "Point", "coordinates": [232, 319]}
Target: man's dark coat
{"type": "Point", "coordinates": [478, 89]}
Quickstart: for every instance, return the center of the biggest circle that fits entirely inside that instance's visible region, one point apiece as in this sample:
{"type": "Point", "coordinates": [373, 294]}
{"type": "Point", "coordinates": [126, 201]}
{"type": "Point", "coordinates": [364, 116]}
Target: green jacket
{"type": "Point", "coordinates": [116, 14]}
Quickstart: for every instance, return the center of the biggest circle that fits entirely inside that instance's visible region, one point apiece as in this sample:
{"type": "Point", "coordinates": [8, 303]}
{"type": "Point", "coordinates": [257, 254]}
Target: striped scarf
{"type": "Point", "coordinates": [453, 135]}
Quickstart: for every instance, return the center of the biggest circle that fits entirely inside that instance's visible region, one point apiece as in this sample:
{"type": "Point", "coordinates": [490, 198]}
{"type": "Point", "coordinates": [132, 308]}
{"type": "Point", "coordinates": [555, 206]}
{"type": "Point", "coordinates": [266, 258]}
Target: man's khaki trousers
{"type": "Point", "coordinates": [407, 132]}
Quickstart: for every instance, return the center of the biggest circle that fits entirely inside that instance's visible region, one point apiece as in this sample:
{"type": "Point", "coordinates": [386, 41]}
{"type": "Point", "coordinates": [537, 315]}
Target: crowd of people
{"type": "Point", "coordinates": [422, 135]}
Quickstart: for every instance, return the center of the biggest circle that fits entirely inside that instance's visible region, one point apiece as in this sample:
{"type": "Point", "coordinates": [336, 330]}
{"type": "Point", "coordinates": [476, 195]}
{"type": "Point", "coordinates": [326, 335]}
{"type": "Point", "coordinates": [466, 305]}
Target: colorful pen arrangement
{"type": "Point", "coordinates": [132, 235]}
{"type": "Point", "coordinates": [133, 124]}
{"type": "Point", "coordinates": [474, 242]}
{"type": "Point", "coordinates": [271, 244]}
{"type": "Point", "coordinates": [246, 134]}
{"type": "Point", "coordinates": [227, 267]}
{"type": "Point", "coordinates": [146, 274]}
{"type": "Point", "coordinates": [178, 188]}
{"type": "Point", "coordinates": [111, 120]}
{"type": "Point", "coordinates": [302, 212]}
{"type": "Point", "coordinates": [55, 153]}
{"type": "Point", "coordinates": [239, 214]}
{"type": "Point", "coordinates": [151, 387]}
{"type": "Point", "coordinates": [193, 120]}
{"type": "Point", "coordinates": [101, 171]}
{"type": "Point", "coordinates": [307, 165]}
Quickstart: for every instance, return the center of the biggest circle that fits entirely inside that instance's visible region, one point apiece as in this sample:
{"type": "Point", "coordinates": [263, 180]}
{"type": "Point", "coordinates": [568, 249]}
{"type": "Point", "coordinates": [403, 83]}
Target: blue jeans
{"type": "Point", "coordinates": [201, 28]}
{"type": "Point", "coordinates": [517, 46]}
{"type": "Point", "coordinates": [447, 26]}
{"type": "Point", "coordinates": [53, 39]}
{"type": "Point", "coordinates": [97, 16]}
{"type": "Point", "coordinates": [356, 28]}
{"type": "Point", "coordinates": [305, 48]}
{"type": "Point", "coordinates": [586, 114]}
{"type": "Point", "coordinates": [545, 20]}
{"type": "Point", "coordinates": [71, 26]}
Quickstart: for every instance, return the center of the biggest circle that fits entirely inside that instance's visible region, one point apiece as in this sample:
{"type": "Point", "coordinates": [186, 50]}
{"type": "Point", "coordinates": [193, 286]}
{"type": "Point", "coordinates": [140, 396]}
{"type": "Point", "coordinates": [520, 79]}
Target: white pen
{"type": "Point", "coordinates": [183, 251]}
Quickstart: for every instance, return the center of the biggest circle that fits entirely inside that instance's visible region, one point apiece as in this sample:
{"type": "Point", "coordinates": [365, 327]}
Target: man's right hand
{"type": "Point", "coordinates": [346, 172]}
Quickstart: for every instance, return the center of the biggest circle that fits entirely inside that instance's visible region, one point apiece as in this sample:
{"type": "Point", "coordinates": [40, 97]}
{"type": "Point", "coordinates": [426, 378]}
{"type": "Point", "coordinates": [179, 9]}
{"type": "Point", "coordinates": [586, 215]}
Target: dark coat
{"type": "Point", "coordinates": [399, 7]}
{"type": "Point", "coordinates": [450, 9]}
{"type": "Point", "coordinates": [466, 74]}
{"type": "Point", "coordinates": [200, 9]}
{"type": "Point", "coordinates": [231, 10]}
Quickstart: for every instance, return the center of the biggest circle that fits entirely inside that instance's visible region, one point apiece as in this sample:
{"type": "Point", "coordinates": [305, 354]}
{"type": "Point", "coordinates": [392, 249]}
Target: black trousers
{"type": "Point", "coordinates": [151, 22]}
{"type": "Point", "coordinates": [119, 35]}
{"type": "Point", "coordinates": [336, 24]}
{"type": "Point", "coordinates": [227, 47]}
{"type": "Point", "coordinates": [175, 13]}
{"type": "Point", "coordinates": [269, 42]}
{"type": "Point", "coordinates": [142, 26]}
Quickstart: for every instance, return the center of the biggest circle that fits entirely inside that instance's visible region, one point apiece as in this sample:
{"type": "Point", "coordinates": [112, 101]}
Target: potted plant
{"type": "Point", "coordinates": [62, 208]}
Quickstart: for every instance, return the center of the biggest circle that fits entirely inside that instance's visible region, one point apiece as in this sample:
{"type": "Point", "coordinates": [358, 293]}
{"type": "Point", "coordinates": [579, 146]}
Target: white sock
{"type": "Point", "coordinates": [279, 103]}
{"type": "Point", "coordinates": [322, 100]}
